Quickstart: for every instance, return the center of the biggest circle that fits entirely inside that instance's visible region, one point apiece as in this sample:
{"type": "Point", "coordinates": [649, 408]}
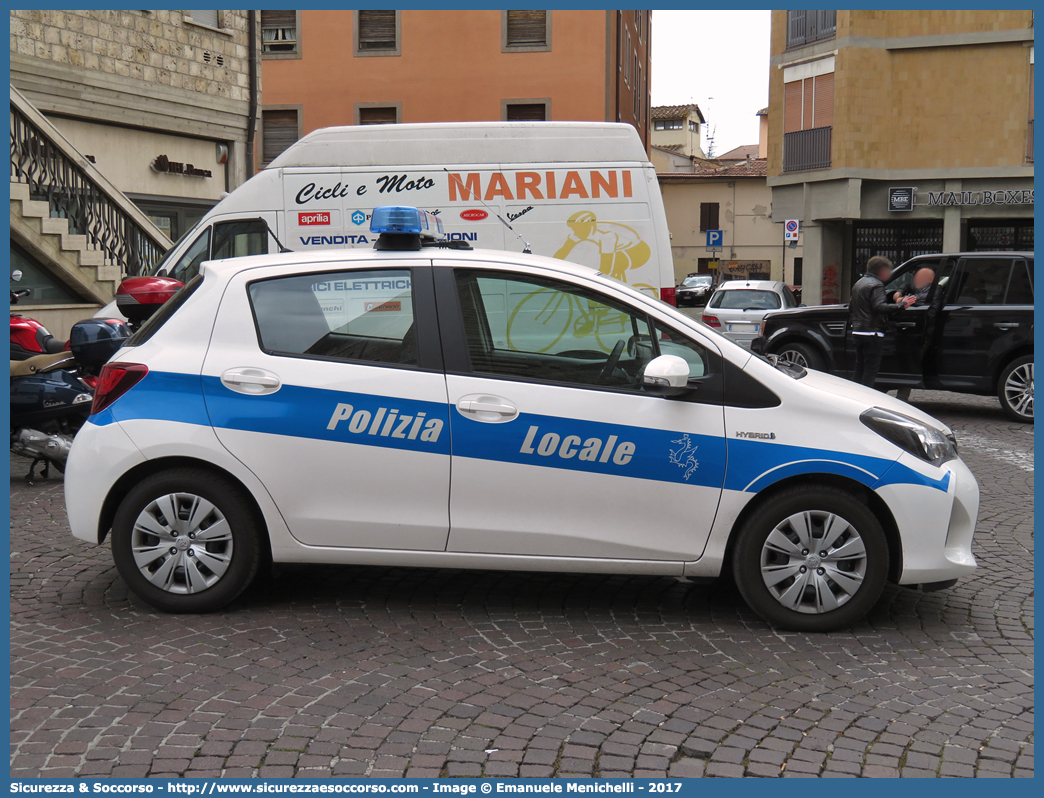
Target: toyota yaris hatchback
{"type": "Point", "coordinates": [427, 405]}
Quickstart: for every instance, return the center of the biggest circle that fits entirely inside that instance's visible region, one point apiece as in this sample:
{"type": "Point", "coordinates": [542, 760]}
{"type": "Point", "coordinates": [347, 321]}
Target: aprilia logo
{"type": "Point", "coordinates": [316, 217]}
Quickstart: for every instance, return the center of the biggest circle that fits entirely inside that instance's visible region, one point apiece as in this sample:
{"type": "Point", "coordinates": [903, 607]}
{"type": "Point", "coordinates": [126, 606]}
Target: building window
{"type": "Point", "coordinates": [378, 114]}
{"type": "Point", "coordinates": [694, 127]}
{"type": "Point", "coordinates": [526, 111]}
{"type": "Point", "coordinates": [637, 94]}
{"type": "Point", "coordinates": [626, 56]}
{"type": "Point", "coordinates": [805, 27]}
{"type": "Point", "coordinates": [280, 127]}
{"type": "Point", "coordinates": [669, 124]}
{"type": "Point", "coordinates": [708, 216]}
{"type": "Point", "coordinates": [209, 18]}
{"type": "Point", "coordinates": [808, 116]}
{"type": "Point", "coordinates": [526, 31]}
{"type": "Point", "coordinates": [279, 33]}
{"type": "Point", "coordinates": [377, 33]}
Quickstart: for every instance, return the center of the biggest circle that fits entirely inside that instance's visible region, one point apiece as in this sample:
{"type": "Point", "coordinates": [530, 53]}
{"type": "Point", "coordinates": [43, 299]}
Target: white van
{"type": "Point", "coordinates": [580, 191]}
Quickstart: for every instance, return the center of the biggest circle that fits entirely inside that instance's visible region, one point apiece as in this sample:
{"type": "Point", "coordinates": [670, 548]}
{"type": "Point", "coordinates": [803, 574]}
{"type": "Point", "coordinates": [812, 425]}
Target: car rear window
{"type": "Point", "coordinates": [746, 299]}
{"type": "Point", "coordinates": [166, 310]}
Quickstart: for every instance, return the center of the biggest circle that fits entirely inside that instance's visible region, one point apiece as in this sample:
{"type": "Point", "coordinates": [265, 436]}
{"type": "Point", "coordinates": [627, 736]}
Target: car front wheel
{"type": "Point", "coordinates": [800, 354]}
{"type": "Point", "coordinates": [186, 540]}
{"type": "Point", "coordinates": [811, 559]}
{"type": "Point", "coordinates": [1015, 389]}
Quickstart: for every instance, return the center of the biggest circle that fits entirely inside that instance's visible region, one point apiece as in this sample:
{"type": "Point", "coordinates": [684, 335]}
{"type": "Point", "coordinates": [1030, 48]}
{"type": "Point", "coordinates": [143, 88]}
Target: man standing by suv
{"type": "Point", "coordinates": [869, 310]}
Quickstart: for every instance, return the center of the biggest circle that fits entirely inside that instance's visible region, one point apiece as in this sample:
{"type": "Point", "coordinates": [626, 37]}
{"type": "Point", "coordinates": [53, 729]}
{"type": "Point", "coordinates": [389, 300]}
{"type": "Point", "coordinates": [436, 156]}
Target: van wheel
{"type": "Point", "coordinates": [804, 355]}
{"type": "Point", "coordinates": [811, 559]}
{"type": "Point", "coordinates": [1015, 389]}
{"type": "Point", "coordinates": [186, 540]}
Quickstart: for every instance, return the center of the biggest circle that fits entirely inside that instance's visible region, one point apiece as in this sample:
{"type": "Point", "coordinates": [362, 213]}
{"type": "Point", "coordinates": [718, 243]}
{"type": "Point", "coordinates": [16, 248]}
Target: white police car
{"type": "Point", "coordinates": [427, 405]}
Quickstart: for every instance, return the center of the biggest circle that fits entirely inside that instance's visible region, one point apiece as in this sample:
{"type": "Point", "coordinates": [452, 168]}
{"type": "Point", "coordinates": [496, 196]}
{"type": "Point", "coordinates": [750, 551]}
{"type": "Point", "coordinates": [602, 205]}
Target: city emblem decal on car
{"type": "Point", "coordinates": [685, 455]}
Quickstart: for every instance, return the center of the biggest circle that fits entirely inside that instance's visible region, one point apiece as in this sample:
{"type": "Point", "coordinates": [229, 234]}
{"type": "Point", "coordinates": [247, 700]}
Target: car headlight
{"type": "Point", "coordinates": [928, 443]}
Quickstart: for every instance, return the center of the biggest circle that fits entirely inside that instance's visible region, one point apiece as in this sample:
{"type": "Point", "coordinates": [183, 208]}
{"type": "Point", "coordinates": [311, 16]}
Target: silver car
{"type": "Point", "coordinates": [738, 308]}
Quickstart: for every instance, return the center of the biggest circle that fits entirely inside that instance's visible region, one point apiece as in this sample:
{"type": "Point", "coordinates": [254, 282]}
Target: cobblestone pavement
{"type": "Point", "coordinates": [390, 672]}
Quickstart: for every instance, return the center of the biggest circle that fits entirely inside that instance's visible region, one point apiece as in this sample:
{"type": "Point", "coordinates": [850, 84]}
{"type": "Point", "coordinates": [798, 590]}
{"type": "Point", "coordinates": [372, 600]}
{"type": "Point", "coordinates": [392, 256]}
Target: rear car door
{"type": "Point", "coordinates": [329, 386]}
{"type": "Point", "coordinates": [978, 325]}
{"type": "Point", "coordinates": [556, 450]}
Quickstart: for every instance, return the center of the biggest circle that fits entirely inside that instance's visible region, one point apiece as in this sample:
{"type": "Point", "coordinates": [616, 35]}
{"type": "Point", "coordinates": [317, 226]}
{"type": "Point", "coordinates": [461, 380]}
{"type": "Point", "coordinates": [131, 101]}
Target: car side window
{"type": "Point", "coordinates": [982, 281]}
{"type": "Point", "coordinates": [1020, 288]}
{"type": "Point", "coordinates": [523, 326]}
{"type": "Point", "coordinates": [240, 238]}
{"type": "Point", "coordinates": [188, 266]}
{"type": "Point", "coordinates": [671, 342]}
{"type": "Point", "coordinates": [351, 315]}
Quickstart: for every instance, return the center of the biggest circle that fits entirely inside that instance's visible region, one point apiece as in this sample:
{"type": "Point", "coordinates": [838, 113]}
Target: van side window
{"type": "Point", "coordinates": [188, 267]}
{"type": "Point", "coordinates": [239, 239]}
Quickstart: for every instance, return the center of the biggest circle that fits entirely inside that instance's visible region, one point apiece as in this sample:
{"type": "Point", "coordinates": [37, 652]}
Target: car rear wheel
{"type": "Point", "coordinates": [811, 559]}
{"type": "Point", "coordinates": [1015, 389]}
{"type": "Point", "coordinates": [186, 540]}
{"type": "Point", "coordinates": [799, 354]}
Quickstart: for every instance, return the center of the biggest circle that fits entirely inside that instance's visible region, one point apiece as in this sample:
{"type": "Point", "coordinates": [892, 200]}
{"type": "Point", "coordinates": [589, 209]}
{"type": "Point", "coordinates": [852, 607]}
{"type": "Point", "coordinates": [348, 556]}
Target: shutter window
{"type": "Point", "coordinates": [526, 29]}
{"type": "Point", "coordinates": [278, 131]}
{"type": "Point", "coordinates": [377, 30]}
{"type": "Point", "coordinates": [208, 18]}
{"type": "Point", "coordinates": [823, 113]}
{"type": "Point", "coordinates": [708, 216]}
{"type": "Point", "coordinates": [792, 107]}
{"type": "Point", "coordinates": [387, 115]}
{"type": "Point", "coordinates": [279, 31]}
{"type": "Point", "coordinates": [806, 104]}
{"type": "Point", "coordinates": [526, 112]}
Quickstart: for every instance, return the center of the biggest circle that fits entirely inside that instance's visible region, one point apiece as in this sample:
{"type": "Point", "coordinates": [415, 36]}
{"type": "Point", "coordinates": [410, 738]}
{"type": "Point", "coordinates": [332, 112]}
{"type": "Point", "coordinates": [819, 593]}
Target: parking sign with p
{"type": "Point", "coordinates": [715, 239]}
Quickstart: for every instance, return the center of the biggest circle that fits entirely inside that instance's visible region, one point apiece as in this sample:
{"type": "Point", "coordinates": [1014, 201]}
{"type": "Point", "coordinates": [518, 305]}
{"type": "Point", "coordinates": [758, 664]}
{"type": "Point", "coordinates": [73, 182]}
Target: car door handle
{"type": "Point", "coordinates": [1005, 325]}
{"type": "Point", "coordinates": [483, 407]}
{"type": "Point", "coordinates": [906, 324]}
{"type": "Point", "coordinates": [250, 380]}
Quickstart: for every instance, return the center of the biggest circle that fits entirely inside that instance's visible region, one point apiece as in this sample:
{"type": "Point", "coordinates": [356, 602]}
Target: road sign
{"type": "Point", "coordinates": [713, 265]}
{"type": "Point", "coordinates": [790, 230]}
{"type": "Point", "coordinates": [715, 239]}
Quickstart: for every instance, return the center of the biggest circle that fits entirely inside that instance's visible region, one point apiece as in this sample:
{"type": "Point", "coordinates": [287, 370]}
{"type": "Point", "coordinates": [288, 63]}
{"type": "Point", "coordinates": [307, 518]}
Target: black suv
{"type": "Point", "coordinates": [972, 333]}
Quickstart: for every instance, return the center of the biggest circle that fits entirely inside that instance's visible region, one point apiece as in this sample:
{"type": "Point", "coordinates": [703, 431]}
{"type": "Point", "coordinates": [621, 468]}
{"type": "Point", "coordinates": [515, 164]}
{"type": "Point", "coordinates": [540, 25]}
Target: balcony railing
{"type": "Point", "coordinates": [805, 27]}
{"type": "Point", "coordinates": [806, 149]}
{"type": "Point", "coordinates": [43, 160]}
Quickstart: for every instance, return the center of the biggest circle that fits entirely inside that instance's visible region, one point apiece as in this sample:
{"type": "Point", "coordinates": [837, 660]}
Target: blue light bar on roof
{"type": "Point", "coordinates": [404, 219]}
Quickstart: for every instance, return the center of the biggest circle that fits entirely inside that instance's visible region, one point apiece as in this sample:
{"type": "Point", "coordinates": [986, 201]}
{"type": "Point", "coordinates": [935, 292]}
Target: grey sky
{"type": "Point", "coordinates": [718, 60]}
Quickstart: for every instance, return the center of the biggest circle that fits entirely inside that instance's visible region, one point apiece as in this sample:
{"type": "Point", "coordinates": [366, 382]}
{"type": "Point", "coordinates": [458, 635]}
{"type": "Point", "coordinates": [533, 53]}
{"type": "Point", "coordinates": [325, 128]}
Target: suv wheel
{"type": "Point", "coordinates": [1015, 389]}
{"type": "Point", "coordinates": [812, 559]}
{"type": "Point", "coordinates": [799, 354]}
{"type": "Point", "coordinates": [186, 540]}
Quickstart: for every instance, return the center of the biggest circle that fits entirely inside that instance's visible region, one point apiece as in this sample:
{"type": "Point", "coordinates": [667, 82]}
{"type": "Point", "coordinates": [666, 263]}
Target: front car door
{"type": "Point", "coordinates": [557, 452]}
{"type": "Point", "coordinates": [329, 387]}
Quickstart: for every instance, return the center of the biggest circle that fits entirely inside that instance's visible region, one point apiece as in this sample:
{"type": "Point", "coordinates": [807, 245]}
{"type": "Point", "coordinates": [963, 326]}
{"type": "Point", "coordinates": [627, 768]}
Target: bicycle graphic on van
{"type": "Point", "coordinates": [620, 249]}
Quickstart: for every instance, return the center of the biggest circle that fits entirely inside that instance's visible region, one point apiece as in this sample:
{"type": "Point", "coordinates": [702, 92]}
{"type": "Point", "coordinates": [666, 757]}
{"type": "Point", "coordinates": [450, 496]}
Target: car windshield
{"type": "Point", "coordinates": [160, 266]}
{"type": "Point", "coordinates": [745, 299]}
{"type": "Point", "coordinates": [692, 280]}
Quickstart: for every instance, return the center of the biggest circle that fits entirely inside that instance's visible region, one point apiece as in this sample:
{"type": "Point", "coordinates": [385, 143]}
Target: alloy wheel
{"type": "Point", "coordinates": [1018, 389]}
{"type": "Point", "coordinates": [793, 357]}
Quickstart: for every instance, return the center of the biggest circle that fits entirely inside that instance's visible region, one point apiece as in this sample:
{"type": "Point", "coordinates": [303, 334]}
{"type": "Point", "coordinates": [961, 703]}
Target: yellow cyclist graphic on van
{"type": "Point", "coordinates": [620, 249]}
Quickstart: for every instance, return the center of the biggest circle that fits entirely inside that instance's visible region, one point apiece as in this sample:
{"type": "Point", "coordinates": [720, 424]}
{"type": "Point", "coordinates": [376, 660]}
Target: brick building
{"type": "Point", "coordinates": [326, 68]}
{"type": "Point", "coordinates": [900, 132]}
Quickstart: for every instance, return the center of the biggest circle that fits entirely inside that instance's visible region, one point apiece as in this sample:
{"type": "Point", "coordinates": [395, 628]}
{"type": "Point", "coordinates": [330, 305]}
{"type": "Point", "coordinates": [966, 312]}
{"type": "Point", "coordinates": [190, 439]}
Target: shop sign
{"type": "Point", "coordinates": [904, 199]}
{"type": "Point", "coordinates": [163, 165]}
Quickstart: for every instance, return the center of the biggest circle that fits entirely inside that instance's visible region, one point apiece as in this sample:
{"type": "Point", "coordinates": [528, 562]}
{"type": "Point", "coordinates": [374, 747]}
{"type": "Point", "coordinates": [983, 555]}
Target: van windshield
{"type": "Point", "coordinates": [163, 264]}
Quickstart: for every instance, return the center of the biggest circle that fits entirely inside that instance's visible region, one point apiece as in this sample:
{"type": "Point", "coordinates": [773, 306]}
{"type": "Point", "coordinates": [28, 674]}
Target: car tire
{"type": "Point", "coordinates": [833, 591]}
{"type": "Point", "coordinates": [201, 561]}
{"type": "Point", "coordinates": [801, 354]}
{"type": "Point", "coordinates": [1015, 389]}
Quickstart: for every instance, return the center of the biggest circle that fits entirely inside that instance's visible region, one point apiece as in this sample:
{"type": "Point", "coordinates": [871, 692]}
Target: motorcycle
{"type": "Point", "coordinates": [29, 337]}
{"type": "Point", "coordinates": [52, 394]}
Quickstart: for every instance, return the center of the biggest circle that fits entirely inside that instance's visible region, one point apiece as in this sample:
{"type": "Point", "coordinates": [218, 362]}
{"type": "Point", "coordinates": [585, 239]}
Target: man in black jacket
{"type": "Point", "coordinates": [869, 310]}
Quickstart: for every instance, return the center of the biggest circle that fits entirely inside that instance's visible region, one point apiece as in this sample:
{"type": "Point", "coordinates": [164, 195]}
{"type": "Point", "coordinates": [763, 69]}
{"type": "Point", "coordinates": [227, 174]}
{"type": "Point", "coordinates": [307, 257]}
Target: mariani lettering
{"type": "Point", "coordinates": [591, 450]}
{"type": "Point", "coordinates": [385, 423]}
{"type": "Point", "coordinates": [591, 184]}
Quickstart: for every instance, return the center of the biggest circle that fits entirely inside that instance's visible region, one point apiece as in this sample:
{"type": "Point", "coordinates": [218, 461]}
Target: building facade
{"type": "Point", "coordinates": [328, 68]}
{"type": "Point", "coordinates": [678, 129]}
{"type": "Point", "coordinates": [158, 101]}
{"type": "Point", "coordinates": [898, 133]}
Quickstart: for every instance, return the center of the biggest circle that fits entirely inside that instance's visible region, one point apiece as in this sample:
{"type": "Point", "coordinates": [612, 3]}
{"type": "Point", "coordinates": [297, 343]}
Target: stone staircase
{"type": "Point", "coordinates": [84, 269]}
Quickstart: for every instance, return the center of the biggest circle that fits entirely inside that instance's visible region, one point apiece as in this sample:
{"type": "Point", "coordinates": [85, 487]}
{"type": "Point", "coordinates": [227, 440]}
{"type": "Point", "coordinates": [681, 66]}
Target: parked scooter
{"type": "Point", "coordinates": [29, 338]}
{"type": "Point", "coordinates": [52, 394]}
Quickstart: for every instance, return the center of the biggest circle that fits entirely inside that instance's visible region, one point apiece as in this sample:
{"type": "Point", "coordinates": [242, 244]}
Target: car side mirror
{"type": "Point", "coordinates": [16, 275]}
{"type": "Point", "coordinates": [666, 375]}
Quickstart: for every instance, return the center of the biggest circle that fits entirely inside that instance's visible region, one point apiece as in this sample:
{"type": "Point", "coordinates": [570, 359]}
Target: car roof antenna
{"type": "Point", "coordinates": [526, 249]}
{"type": "Point", "coordinates": [271, 232]}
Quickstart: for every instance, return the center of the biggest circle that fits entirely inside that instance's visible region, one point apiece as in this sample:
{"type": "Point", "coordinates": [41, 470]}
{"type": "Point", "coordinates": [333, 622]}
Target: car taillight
{"type": "Point", "coordinates": [669, 295]}
{"type": "Point", "coordinates": [711, 321]}
{"type": "Point", "coordinates": [114, 381]}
